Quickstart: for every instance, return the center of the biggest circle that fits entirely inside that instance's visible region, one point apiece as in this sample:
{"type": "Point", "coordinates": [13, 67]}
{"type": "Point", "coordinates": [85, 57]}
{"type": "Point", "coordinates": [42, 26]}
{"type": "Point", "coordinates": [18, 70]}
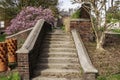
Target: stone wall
{"type": "Point", "coordinates": [112, 38]}
{"type": "Point", "coordinates": [84, 28]}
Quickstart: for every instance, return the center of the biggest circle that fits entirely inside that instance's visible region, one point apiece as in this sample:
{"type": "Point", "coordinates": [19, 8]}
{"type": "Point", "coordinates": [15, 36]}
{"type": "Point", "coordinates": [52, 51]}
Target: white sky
{"type": "Point", "coordinates": [66, 4]}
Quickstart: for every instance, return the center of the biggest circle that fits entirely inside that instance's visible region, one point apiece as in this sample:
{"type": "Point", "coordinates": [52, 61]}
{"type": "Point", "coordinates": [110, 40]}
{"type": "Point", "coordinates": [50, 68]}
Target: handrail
{"type": "Point", "coordinates": [30, 41]}
{"type": "Point", "coordinates": [17, 34]}
{"type": "Point", "coordinates": [82, 54]}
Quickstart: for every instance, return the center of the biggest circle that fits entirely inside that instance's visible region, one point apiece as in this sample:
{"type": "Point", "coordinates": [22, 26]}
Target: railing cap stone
{"type": "Point", "coordinates": [22, 50]}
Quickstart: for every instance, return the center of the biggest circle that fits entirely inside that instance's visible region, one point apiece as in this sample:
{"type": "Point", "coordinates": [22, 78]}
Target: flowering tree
{"type": "Point", "coordinates": [28, 17]}
{"type": "Point", "coordinates": [98, 18]}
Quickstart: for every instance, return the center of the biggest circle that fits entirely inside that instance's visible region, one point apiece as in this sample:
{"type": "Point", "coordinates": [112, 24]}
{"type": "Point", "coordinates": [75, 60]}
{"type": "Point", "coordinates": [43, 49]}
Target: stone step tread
{"type": "Point", "coordinates": [62, 73]}
{"type": "Point", "coordinates": [59, 54]}
{"type": "Point", "coordinates": [58, 45]}
{"type": "Point", "coordinates": [58, 42]}
{"type": "Point", "coordinates": [47, 56]}
{"type": "Point", "coordinates": [58, 36]}
{"type": "Point", "coordinates": [59, 65]}
{"type": "Point", "coordinates": [57, 71]}
{"type": "Point", "coordinates": [59, 49]}
{"type": "Point", "coordinates": [54, 78]}
{"type": "Point", "coordinates": [68, 39]}
{"type": "Point", "coordinates": [51, 33]}
{"type": "Point", "coordinates": [72, 51]}
{"type": "Point", "coordinates": [63, 53]}
{"type": "Point", "coordinates": [58, 60]}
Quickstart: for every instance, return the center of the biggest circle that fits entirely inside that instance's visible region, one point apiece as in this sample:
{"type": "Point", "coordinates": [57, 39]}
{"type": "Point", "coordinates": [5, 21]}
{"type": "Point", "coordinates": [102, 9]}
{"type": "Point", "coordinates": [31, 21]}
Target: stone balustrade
{"type": "Point", "coordinates": [28, 53]}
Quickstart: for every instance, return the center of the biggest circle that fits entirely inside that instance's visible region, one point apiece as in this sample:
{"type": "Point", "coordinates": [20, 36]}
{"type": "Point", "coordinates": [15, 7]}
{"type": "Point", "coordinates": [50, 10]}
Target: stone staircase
{"type": "Point", "coordinates": [58, 58]}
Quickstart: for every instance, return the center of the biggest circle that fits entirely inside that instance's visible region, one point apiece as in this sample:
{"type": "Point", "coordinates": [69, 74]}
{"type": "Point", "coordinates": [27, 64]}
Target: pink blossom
{"type": "Point", "coordinates": [28, 17]}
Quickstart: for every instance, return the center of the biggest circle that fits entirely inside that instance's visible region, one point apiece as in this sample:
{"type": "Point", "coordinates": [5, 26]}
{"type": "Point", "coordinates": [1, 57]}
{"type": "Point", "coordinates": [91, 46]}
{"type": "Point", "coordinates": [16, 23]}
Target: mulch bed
{"type": "Point", "coordinates": [107, 62]}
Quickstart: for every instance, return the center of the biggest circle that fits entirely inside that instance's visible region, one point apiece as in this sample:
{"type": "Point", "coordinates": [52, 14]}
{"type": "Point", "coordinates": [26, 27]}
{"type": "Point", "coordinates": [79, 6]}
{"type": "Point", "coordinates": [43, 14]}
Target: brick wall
{"type": "Point", "coordinates": [84, 28]}
{"type": "Point", "coordinates": [23, 66]}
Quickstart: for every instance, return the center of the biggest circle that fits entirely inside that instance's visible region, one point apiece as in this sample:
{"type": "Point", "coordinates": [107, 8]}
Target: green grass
{"type": "Point", "coordinates": [111, 77]}
{"type": "Point", "coordinates": [76, 15]}
{"type": "Point", "coordinates": [63, 28]}
{"type": "Point", "coordinates": [116, 30]}
{"type": "Point", "coordinates": [2, 37]}
{"type": "Point", "coordinates": [13, 76]}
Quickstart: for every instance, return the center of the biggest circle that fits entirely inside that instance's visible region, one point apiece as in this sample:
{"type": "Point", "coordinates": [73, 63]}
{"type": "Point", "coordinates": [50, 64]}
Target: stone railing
{"type": "Point", "coordinates": [28, 54]}
{"type": "Point", "coordinates": [89, 70]}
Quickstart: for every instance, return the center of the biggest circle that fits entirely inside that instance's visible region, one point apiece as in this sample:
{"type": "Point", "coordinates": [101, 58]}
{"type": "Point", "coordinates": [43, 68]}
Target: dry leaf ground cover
{"type": "Point", "coordinates": [107, 62]}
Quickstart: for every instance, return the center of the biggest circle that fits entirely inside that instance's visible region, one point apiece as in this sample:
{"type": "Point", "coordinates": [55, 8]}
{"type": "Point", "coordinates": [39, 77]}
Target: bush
{"type": "Point", "coordinates": [101, 78]}
{"type": "Point", "coordinates": [28, 17]}
{"type": "Point", "coordinates": [13, 76]}
{"type": "Point", "coordinates": [115, 30]}
{"type": "Point", "coordinates": [2, 37]}
{"type": "Point", "coordinates": [76, 15]}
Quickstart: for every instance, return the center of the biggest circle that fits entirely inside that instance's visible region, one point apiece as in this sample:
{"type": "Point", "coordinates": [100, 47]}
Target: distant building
{"type": "Point", "coordinates": [116, 25]}
{"type": "Point", "coordinates": [2, 27]}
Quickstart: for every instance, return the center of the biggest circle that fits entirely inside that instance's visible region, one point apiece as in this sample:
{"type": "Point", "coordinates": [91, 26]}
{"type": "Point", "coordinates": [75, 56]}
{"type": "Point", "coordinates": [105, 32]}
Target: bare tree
{"type": "Point", "coordinates": [98, 19]}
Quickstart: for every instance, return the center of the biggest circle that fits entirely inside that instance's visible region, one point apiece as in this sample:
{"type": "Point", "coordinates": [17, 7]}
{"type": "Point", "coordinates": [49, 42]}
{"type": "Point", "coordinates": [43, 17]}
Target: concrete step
{"type": "Point", "coordinates": [59, 50]}
{"type": "Point", "coordinates": [62, 73]}
{"type": "Point", "coordinates": [58, 60]}
{"type": "Point", "coordinates": [58, 45]}
{"type": "Point", "coordinates": [58, 54]}
{"type": "Point", "coordinates": [58, 66]}
{"type": "Point", "coordinates": [57, 36]}
{"type": "Point", "coordinates": [58, 39]}
{"type": "Point", "coordinates": [54, 78]}
{"type": "Point", "coordinates": [58, 42]}
{"type": "Point", "coordinates": [51, 33]}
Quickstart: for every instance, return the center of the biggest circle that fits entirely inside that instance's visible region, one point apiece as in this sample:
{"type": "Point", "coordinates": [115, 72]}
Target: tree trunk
{"type": "Point", "coordinates": [100, 42]}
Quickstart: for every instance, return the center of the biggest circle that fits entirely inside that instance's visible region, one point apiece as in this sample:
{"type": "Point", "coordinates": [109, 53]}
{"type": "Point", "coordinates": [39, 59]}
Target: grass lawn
{"type": "Point", "coordinates": [111, 77]}
{"type": "Point", "coordinates": [2, 37]}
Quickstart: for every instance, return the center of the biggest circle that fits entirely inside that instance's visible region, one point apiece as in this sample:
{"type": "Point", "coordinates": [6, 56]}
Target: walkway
{"type": "Point", "coordinates": [58, 58]}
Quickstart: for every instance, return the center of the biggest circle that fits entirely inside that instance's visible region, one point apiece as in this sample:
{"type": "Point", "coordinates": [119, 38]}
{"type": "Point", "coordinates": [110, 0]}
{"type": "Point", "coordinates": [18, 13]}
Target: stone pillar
{"type": "Point", "coordinates": [89, 76]}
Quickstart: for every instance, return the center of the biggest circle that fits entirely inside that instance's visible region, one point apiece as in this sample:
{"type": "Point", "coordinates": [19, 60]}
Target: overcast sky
{"type": "Point", "coordinates": [66, 4]}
